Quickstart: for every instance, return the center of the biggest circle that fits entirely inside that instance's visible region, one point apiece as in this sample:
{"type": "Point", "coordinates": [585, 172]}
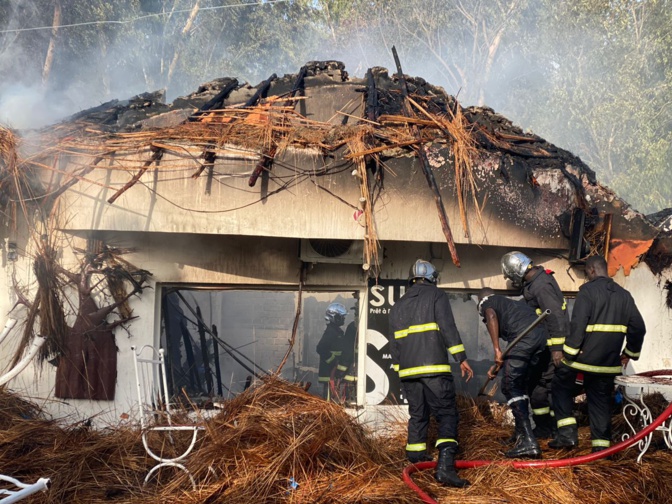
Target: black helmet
{"type": "Point", "coordinates": [423, 269]}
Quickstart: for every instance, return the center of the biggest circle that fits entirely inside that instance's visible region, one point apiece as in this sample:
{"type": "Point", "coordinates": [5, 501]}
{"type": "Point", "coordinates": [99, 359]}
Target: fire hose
{"type": "Point", "coordinates": [524, 464]}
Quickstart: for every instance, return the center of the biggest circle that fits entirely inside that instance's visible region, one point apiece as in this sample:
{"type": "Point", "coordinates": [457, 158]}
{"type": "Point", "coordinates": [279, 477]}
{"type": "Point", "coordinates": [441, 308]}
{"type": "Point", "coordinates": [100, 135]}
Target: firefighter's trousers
{"type": "Point", "coordinates": [599, 388]}
{"type": "Point", "coordinates": [435, 395]}
{"type": "Point", "coordinates": [522, 362]}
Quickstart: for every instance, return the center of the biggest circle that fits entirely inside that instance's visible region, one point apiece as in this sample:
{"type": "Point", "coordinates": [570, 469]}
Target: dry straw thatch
{"type": "Point", "coordinates": [276, 434]}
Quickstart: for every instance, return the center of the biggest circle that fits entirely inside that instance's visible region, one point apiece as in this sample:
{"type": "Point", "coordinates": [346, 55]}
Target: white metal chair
{"type": "Point", "coordinates": [24, 491]}
{"type": "Point", "coordinates": [154, 402]}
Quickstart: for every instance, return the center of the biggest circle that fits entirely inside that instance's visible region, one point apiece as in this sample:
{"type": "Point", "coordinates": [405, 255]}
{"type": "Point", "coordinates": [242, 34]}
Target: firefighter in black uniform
{"type": "Point", "coordinates": [506, 318]}
{"type": "Point", "coordinates": [422, 336]}
{"type": "Point", "coordinates": [345, 370]}
{"type": "Point", "coordinates": [541, 292]}
{"type": "Point", "coordinates": [330, 347]}
{"type": "Point", "coordinates": [604, 315]}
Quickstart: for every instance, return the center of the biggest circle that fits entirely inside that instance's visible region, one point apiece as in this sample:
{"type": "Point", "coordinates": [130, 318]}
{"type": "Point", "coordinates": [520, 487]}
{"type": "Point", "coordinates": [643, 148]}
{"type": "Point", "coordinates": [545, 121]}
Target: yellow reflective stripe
{"type": "Point", "coordinates": [606, 328]}
{"type": "Point", "coordinates": [589, 368]}
{"type": "Point", "coordinates": [556, 341]}
{"type": "Point", "coordinates": [395, 367]}
{"type": "Point", "coordinates": [631, 354]}
{"type": "Point", "coordinates": [553, 413]}
{"type": "Point", "coordinates": [570, 350]}
{"type": "Point", "coordinates": [456, 349]}
{"type": "Point", "coordinates": [438, 368]}
{"type": "Point", "coordinates": [416, 447]}
{"type": "Point", "coordinates": [444, 440]}
{"type": "Point", "coordinates": [566, 421]}
{"type": "Point", "coordinates": [323, 379]}
{"type": "Point", "coordinates": [350, 378]}
{"type": "Point", "coordinates": [431, 326]}
{"type": "Point", "coordinates": [334, 354]}
{"type": "Point", "coordinates": [605, 443]}
{"type": "Point", "coordinates": [541, 411]}
{"type": "Point", "coordinates": [538, 310]}
{"type": "Point", "coordinates": [341, 368]}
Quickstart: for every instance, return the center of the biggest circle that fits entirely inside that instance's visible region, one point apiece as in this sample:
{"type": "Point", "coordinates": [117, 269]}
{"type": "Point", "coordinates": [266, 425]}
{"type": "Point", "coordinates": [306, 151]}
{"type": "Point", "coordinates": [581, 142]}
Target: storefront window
{"type": "Point", "coordinates": [218, 342]}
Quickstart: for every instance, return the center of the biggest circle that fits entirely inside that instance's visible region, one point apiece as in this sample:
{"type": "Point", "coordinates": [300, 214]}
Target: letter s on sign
{"type": "Point", "coordinates": [377, 298]}
{"type": "Point", "coordinates": [377, 374]}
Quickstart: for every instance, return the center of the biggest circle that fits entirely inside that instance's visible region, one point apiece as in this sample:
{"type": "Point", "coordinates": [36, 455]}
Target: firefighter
{"type": "Point", "coordinates": [506, 318]}
{"type": "Point", "coordinates": [330, 346]}
{"type": "Point", "coordinates": [422, 336]}
{"type": "Point", "coordinates": [604, 315]}
{"type": "Point", "coordinates": [541, 292]}
{"type": "Point", "coordinates": [346, 365]}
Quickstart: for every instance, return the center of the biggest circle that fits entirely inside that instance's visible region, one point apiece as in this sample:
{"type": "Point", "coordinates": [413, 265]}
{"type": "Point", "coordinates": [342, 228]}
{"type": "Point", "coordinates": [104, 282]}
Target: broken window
{"type": "Point", "coordinates": [218, 342]}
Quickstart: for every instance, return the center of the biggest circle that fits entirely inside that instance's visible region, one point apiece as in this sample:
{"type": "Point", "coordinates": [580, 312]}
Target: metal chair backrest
{"type": "Point", "coordinates": [152, 385]}
{"type": "Point", "coordinates": [23, 489]}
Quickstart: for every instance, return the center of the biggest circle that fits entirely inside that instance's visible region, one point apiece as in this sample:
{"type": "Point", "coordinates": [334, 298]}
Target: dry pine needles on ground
{"type": "Point", "coordinates": [276, 443]}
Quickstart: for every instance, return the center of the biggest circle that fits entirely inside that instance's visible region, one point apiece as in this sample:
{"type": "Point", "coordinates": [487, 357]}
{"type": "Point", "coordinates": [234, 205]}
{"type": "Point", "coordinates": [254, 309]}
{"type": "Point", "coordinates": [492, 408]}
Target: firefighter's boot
{"type": "Point", "coordinates": [517, 432]}
{"type": "Point", "coordinates": [526, 445]}
{"type": "Point", "coordinates": [417, 457]}
{"type": "Point", "coordinates": [543, 426]}
{"type": "Point", "coordinates": [445, 467]}
{"type": "Point", "coordinates": [566, 437]}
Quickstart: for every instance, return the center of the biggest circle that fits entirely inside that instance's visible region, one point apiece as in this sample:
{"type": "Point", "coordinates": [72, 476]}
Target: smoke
{"type": "Point", "coordinates": [125, 60]}
{"type": "Point", "coordinates": [23, 107]}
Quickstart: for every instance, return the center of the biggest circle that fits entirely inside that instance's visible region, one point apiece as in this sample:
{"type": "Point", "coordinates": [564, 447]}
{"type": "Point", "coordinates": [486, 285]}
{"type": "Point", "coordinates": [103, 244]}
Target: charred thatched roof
{"type": "Point", "coordinates": [477, 155]}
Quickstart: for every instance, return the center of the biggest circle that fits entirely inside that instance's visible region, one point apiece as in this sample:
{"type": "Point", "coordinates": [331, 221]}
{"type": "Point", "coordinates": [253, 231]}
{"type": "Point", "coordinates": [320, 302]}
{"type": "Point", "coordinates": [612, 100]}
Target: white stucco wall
{"type": "Point", "coordinates": [217, 261]}
{"type": "Point", "coordinates": [649, 294]}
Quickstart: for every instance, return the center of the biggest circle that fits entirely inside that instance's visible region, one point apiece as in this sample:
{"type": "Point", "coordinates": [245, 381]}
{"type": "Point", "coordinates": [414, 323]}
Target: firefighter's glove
{"type": "Point", "coordinates": [557, 357]}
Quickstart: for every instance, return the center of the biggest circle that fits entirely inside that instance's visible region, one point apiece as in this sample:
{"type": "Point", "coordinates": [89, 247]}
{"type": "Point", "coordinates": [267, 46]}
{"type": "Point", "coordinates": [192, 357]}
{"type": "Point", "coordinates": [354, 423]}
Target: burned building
{"type": "Point", "coordinates": [221, 226]}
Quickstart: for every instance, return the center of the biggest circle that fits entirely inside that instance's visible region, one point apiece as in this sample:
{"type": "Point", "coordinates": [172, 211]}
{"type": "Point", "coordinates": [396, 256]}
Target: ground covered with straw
{"type": "Point", "coordinates": [276, 443]}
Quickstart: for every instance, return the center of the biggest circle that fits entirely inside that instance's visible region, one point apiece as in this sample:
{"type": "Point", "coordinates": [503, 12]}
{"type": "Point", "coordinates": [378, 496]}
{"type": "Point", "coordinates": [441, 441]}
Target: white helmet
{"type": "Point", "coordinates": [514, 266]}
{"type": "Point", "coordinates": [335, 314]}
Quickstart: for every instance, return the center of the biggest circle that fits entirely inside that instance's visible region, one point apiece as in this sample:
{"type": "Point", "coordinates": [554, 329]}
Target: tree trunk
{"type": "Point", "coordinates": [49, 60]}
{"type": "Point", "coordinates": [180, 44]}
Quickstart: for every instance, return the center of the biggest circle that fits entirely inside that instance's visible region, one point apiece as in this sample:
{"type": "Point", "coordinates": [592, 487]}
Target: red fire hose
{"type": "Point", "coordinates": [519, 464]}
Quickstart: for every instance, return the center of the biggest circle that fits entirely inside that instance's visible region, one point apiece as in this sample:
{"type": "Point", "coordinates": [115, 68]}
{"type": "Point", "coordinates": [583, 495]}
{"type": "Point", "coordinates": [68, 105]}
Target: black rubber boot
{"type": "Point", "coordinates": [567, 437]}
{"type": "Point", "coordinates": [415, 457]}
{"type": "Point", "coordinates": [543, 426]}
{"type": "Point", "coordinates": [513, 437]}
{"type": "Point", "coordinates": [445, 468]}
{"type": "Point", "coordinates": [526, 445]}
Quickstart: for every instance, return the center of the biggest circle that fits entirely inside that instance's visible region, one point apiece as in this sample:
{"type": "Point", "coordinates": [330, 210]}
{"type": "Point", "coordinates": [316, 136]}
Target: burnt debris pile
{"type": "Point", "coordinates": [276, 443]}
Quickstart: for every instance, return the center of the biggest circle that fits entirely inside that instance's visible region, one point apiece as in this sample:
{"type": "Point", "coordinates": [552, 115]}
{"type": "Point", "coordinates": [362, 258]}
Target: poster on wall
{"type": "Point", "coordinates": [382, 381]}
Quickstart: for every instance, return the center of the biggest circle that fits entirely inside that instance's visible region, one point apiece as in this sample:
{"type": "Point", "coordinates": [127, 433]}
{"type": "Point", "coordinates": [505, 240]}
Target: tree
{"type": "Point", "coordinates": [605, 89]}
